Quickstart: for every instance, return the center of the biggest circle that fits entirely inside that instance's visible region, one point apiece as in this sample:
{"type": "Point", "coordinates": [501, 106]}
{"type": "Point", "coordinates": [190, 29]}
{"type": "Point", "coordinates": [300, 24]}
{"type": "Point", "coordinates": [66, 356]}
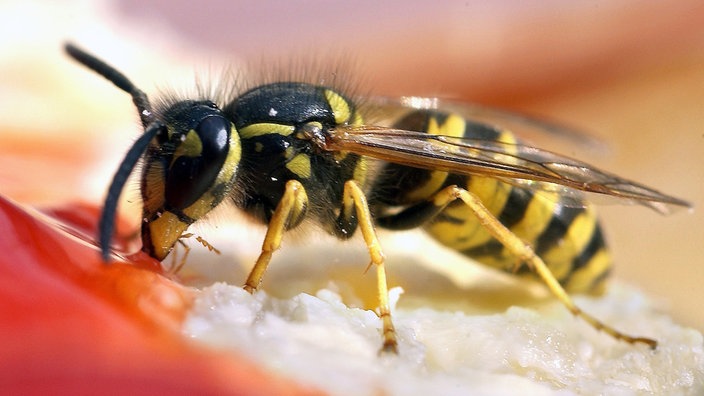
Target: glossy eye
{"type": "Point", "coordinates": [198, 158]}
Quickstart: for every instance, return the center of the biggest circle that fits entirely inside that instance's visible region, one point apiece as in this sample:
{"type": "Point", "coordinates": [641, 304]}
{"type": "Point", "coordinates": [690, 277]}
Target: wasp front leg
{"type": "Point", "coordinates": [290, 210]}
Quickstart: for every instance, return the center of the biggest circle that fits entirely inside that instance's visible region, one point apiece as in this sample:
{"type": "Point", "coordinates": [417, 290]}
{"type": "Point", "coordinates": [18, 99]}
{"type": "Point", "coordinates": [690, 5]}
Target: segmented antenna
{"type": "Point", "coordinates": [152, 128]}
{"type": "Point", "coordinates": [139, 98]}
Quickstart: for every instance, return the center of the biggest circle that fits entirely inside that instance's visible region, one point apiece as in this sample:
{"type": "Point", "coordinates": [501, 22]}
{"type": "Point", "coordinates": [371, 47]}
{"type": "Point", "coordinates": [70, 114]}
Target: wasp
{"type": "Point", "coordinates": [288, 151]}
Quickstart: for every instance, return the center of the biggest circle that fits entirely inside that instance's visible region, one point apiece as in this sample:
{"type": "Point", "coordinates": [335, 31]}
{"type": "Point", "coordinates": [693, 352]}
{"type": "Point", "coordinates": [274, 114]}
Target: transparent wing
{"type": "Point", "coordinates": [518, 164]}
{"type": "Point", "coordinates": [537, 131]}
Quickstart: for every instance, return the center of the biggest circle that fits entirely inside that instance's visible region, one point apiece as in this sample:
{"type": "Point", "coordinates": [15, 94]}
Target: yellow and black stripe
{"type": "Point", "coordinates": [277, 123]}
{"type": "Point", "coordinates": [568, 238]}
{"type": "Point", "coordinates": [287, 151]}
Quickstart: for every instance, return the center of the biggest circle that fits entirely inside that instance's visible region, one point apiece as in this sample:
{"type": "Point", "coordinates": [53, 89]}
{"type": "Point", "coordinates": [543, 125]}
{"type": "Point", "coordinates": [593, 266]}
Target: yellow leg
{"type": "Point", "coordinates": [292, 204]}
{"type": "Point", "coordinates": [354, 197]}
{"type": "Point", "coordinates": [526, 255]}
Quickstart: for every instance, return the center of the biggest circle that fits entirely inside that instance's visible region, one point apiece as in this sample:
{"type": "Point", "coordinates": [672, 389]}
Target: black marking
{"type": "Point", "coordinates": [445, 217]}
{"type": "Point", "coordinates": [515, 208]}
{"type": "Point", "coordinates": [596, 243]}
{"type": "Point", "coordinates": [477, 130]}
{"type": "Point", "coordinates": [189, 177]}
{"type": "Point", "coordinates": [286, 103]}
{"type": "Point", "coordinates": [412, 217]}
{"type": "Point", "coordinates": [556, 230]}
{"type": "Point", "coordinates": [599, 279]}
{"type": "Point", "coordinates": [491, 248]}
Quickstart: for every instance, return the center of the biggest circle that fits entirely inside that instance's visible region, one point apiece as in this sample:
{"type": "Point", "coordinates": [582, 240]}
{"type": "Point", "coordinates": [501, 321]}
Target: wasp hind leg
{"type": "Point", "coordinates": [523, 252]}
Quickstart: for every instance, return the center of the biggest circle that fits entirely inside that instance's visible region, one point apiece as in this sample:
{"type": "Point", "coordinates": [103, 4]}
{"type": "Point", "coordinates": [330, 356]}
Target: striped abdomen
{"type": "Point", "coordinates": [567, 237]}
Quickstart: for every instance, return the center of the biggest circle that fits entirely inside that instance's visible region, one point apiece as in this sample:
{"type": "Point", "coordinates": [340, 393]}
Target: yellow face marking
{"type": "Point", "coordinates": [300, 166]}
{"type": "Point", "coordinates": [233, 158]}
{"type": "Point", "coordinates": [164, 232]}
{"type": "Point", "coordinates": [205, 203]}
{"type": "Point", "coordinates": [191, 146]}
{"type": "Point", "coordinates": [201, 207]}
{"type": "Point", "coordinates": [166, 229]}
{"type": "Point", "coordinates": [339, 107]}
{"type": "Point", "coordinates": [264, 128]}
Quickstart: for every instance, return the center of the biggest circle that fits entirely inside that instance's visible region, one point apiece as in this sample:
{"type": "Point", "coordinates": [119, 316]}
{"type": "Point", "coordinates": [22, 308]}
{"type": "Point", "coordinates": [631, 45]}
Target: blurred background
{"type": "Point", "coordinates": [629, 72]}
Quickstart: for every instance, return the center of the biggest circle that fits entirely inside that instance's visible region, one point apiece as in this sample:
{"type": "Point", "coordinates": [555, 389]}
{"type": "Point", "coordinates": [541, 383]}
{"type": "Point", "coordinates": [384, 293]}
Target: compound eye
{"type": "Point", "coordinates": [197, 160]}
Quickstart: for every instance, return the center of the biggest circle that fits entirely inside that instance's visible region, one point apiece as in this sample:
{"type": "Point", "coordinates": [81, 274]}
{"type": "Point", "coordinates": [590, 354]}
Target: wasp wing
{"type": "Point", "coordinates": [519, 164]}
{"type": "Point", "coordinates": [538, 131]}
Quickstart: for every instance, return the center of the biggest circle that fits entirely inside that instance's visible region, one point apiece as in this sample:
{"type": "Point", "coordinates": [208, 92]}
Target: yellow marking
{"type": "Point", "coordinates": [361, 171]}
{"type": "Point", "coordinates": [454, 125]}
{"type": "Point", "coordinates": [258, 147]}
{"type": "Point", "coordinates": [191, 146]}
{"type": "Point", "coordinates": [582, 280]}
{"type": "Point", "coordinates": [201, 207]}
{"type": "Point", "coordinates": [524, 253]}
{"type": "Point", "coordinates": [340, 107]}
{"type": "Point", "coordinates": [537, 216]}
{"type": "Point", "coordinates": [578, 235]}
{"type": "Point", "coordinates": [427, 187]}
{"type": "Point", "coordinates": [229, 167]}
{"type": "Point", "coordinates": [315, 125]}
{"type": "Point", "coordinates": [460, 236]}
{"type": "Point", "coordinates": [265, 128]}
{"type": "Point", "coordinates": [470, 233]}
{"type": "Point", "coordinates": [165, 231]}
{"type": "Point", "coordinates": [300, 166]}
{"type": "Point", "coordinates": [492, 192]}
{"type": "Point", "coordinates": [339, 155]}
{"type": "Point", "coordinates": [356, 119]}
{"type": "Point", "coordinates": [207, 201]}
{"type": "Point", "coordinates": [507, 137]}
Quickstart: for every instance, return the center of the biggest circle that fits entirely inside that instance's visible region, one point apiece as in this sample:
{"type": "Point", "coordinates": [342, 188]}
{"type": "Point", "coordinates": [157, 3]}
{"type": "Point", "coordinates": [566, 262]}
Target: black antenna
{"type": "Point", "coordinates": [139, 98]}
{"type": "Point", "coordinates": [106, 224]}
{"type": "Point", "coordinates": [152, 128]}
